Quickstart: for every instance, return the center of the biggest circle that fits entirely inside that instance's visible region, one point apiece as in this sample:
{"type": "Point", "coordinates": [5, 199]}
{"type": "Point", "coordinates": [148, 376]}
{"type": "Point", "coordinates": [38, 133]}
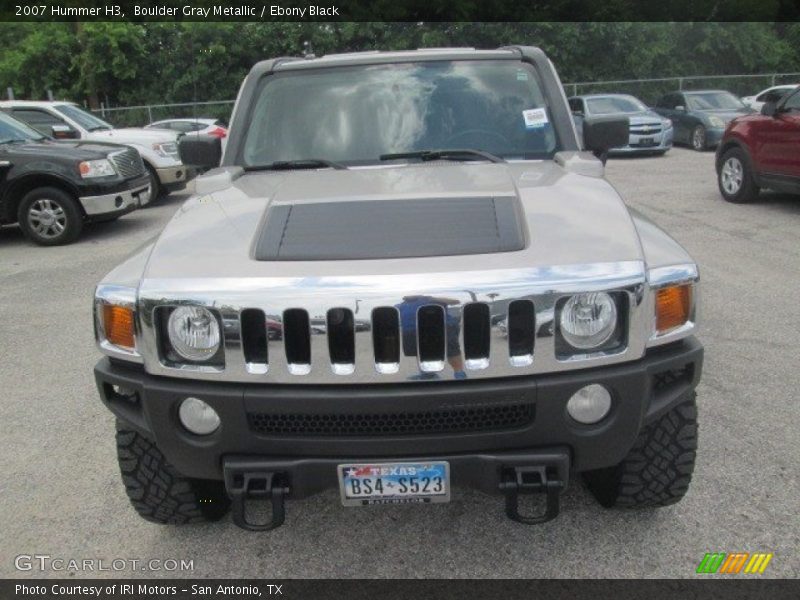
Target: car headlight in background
{"type": "Point", "coordinates": [667, 124]}
{"type": "Point", "coordinates": [193, 333]}
{"type": "Point", "coordinates": [716, 122]}
{"type": "Point", "coordinates": [89, 169]}
{"type": "Point", "coordinates": [167, 149]}
{"type": "Point", "coordinates": [673, 305]}
{"type": "Point", "coordinates": [588, 320]}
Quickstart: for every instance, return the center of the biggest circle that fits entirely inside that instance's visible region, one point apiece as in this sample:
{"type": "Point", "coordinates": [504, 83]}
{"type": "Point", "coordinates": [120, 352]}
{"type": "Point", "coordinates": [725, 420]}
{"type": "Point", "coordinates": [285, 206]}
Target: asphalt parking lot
{"type": "Point", "coordinates": [61, 494]}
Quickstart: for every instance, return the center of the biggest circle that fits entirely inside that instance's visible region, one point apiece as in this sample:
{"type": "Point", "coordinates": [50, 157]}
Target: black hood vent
{"type": "Point", "coordinates": [376, 229]}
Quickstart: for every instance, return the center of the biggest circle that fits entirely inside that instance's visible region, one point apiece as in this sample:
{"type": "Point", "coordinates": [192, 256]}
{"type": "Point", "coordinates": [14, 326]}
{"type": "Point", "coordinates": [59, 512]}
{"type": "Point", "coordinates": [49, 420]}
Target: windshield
{"type": "Point", "coordinates": [86, 120]}
{"type": "Point", "coordinates": [608, 105]}
{"type": "Point", "coordinates": [713, 101]}
{"type": "Point", "coordinates": [356, 114]}
{"type": "Point", "coordinates": [12, 130]}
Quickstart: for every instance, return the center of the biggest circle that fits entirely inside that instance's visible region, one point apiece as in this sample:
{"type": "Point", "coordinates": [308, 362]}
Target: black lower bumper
{"type": "Point", "coordinates": [305, 448]}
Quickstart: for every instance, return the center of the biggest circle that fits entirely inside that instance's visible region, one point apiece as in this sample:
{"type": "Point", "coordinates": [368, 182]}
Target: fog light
{"type": "Point", "coordinates": [198, 417]}
{"type": "Point", "coordinates": [589, 404]}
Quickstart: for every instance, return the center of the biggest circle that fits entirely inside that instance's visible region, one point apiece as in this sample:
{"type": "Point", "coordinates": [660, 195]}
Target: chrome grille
{"type": "Point", "coordinates": [646, 128]}
{"type": "Point", "coordinates": [128, 163]}
{"type": "Point", "coordinates": [364, 330]}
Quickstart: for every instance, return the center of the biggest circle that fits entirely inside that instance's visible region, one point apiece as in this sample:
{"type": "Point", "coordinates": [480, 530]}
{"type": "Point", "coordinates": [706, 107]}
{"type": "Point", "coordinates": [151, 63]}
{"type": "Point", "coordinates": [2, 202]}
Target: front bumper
{"type": "Point", "coordinates": [121, 199]}
{"type": "Point", "coordinates": [714, 136]}
{"type": "Point", "coordinates": [662, 143]}
{"type": "Point", "coordinates": [641, 391]}
{"type": "Point", "coordinates": [175, 177]}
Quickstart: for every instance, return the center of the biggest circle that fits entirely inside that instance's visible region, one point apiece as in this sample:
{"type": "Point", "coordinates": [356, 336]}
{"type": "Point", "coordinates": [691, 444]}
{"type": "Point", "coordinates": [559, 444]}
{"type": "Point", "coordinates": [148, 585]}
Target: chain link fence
{"type": "Point", "coordinates": [647, 90]}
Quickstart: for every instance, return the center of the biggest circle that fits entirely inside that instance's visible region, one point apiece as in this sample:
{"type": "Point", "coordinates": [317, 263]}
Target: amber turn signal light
{"type": "Point", "coordinates": [672, 307]}
{"type": "Point", "coordinates": [118, 326]}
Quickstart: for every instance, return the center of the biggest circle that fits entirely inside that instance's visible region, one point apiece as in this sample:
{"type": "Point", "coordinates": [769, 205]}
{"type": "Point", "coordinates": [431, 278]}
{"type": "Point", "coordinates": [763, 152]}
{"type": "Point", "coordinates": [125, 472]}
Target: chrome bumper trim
{"type": "Point", "coordinates": [109, 203]}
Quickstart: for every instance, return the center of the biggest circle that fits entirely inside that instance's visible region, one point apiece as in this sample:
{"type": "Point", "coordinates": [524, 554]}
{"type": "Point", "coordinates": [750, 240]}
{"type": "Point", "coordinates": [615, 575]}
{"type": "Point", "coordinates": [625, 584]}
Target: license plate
{"type": "Point", "coordinates": [647, 141]}
{"type": "Point", "coordinates": [394, 483]}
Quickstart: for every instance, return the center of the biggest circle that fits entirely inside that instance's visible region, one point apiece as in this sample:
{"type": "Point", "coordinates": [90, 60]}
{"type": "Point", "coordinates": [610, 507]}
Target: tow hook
{"type": "Point", "coordinates": [245, 485]}
{"type": "Point", "coordinates": [531, 480]}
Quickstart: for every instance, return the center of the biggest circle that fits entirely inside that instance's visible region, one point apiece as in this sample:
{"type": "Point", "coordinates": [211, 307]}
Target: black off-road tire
{"type": "Point", "coordinates": [58, 203]}
{"type": "Point", "coordinates": [658, 469]}
{"type": "Point", "coordinates": [158, 492]}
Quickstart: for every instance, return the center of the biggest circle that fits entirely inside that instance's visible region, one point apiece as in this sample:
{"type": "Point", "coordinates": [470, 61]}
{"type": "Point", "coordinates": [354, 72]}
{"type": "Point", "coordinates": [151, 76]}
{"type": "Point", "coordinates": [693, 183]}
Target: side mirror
{"type": "Point", "coordinates": [769, 109]}
{"type": "Point", "coordinates": [601, 134]}
{"type": "Point", "coordinates": [204, 151]}
{"type": "Point", "coordinates": [64, 132]}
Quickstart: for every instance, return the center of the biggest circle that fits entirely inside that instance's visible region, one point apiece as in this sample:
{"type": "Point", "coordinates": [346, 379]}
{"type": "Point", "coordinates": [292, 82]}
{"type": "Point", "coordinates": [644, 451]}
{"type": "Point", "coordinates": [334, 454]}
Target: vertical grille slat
{"type": "Point", "coordinates": [341, 340]}
{"type": "Point", "coordinates": [254, 340]}
{"type": "Point", "coordinates": [477, 338]}
{"type": "Point", "coordinates": [521, 328]}
{"type": "Point", "coordinates": [431, 338]}
{"type": "Point", "coordinates": [386, 339]}
{"type": "Point", "coordinates": [297, 340]}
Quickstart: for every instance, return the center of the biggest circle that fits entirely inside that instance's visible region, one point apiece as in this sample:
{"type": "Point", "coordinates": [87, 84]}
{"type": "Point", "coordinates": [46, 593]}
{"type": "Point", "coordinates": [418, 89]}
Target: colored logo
{"type": "Point", "coordinates": [734, 563]}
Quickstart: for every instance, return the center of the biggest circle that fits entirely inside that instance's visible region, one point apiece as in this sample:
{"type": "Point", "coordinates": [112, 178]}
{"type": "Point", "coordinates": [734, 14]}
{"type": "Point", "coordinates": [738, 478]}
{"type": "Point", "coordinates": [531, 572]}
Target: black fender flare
{"type": "Point", "coordinates": [17, 187]}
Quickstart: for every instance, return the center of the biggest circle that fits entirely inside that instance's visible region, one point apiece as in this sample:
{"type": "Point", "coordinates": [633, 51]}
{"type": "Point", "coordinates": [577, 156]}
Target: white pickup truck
{"type": "Point", "coordinates": [66, 120]}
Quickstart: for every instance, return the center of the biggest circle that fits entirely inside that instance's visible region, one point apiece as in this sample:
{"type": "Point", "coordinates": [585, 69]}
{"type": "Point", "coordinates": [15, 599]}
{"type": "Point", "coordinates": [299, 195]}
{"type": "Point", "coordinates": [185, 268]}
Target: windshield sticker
{"type": "Point", "coordinates": [535, 118]}
{"type": "Point", "coordinates": [522, 75]}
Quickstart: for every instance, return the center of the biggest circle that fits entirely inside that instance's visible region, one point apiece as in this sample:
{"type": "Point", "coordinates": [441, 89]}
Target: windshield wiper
{"type": "Point", "coordinates": [305, 163]}
{"type": "Point", "coordinates": [462, 154]}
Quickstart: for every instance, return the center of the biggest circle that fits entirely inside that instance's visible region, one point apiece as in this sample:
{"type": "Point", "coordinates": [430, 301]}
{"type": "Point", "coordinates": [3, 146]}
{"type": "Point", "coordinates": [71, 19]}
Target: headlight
{"type": "Point", "coordinates": [716, 122]}
{"type": "Point", "coordinates": [167, 150]}
{"type": "Point", "coordinates": [588, 320]}
{"type": "Point", "coordinates": [667, 124]}
{"type": "Point", "coordinates": [90, 169]}
{"type": "Point", "coordinates": [193, 333]}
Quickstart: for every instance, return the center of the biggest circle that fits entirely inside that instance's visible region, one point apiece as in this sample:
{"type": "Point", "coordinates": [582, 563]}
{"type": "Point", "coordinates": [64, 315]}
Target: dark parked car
{"type": "Point", "coordinates": [762, 151]}
{"type": "Point", "coordinates": [650, 133]}
{"type": "Point", "coordinates": [700, 116]}
{"type": "Point", "coordinates": [52, 188]}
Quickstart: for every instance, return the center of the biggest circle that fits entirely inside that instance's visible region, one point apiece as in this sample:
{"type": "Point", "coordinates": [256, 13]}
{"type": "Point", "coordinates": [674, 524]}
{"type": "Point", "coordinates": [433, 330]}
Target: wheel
{"type": "Point", "coordinates": [50, 217]}
{"type": "Point", "coordinates": [735, 178]}
{"type": "Point", "coordinates": [699, 138]}
{"type": "Point", "coordinates": [657, 470]}
{"type": "Point", "coordinates": [155, 184]}
{"type": "Point", "coordinates": [158, 492]}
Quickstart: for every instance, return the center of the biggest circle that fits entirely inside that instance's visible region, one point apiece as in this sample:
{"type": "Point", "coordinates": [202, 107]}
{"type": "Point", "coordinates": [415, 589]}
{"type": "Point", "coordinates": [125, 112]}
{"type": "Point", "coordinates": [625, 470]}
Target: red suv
{"type": "Point", "coordinates": [761, 151]}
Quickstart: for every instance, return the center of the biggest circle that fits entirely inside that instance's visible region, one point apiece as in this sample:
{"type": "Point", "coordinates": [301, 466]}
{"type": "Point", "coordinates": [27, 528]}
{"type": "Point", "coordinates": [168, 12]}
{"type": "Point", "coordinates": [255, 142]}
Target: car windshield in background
{"type": "Point", "coordinates": [86, 120]}
{"type": "Point", "coordinates": [356, 114]}
{"type": "Point", "coordinates": [12, 130]}
{"type": "Point", "coordinates": [713, 101]}
{"type": "Point", "coordinates": [608, 105]}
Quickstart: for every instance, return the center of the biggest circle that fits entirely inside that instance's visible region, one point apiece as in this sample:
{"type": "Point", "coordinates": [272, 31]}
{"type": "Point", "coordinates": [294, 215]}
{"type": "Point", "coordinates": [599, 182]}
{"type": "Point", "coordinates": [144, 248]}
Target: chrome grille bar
{"type": "Point", "coordinates": [371, 301]}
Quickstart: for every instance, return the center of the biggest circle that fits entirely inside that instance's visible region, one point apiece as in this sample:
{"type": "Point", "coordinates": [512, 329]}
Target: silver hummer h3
{"type": "Point", "coordinates": [404, 275]}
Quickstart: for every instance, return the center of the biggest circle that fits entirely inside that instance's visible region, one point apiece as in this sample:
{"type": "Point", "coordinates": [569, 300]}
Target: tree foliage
{"type": "Point", "coordinates": [143, 63]}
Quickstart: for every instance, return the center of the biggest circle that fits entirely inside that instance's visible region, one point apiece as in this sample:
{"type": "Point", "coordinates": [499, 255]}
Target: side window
{"type": "Point", "coordinates": [762, 97]}
{"type": "Point", "coordinates": [575, 105]}
{"type": "Point", "coordinates": [793, 101]}
{"type": "Point", "coordinates": [42, 121]}
{"type": "Point", "coordinates": [666, 101]}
